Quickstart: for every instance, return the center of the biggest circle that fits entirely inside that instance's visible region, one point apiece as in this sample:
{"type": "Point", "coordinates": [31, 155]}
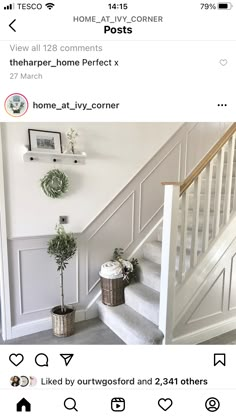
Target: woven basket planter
{"type": "Point", "coordinates": [112, 291]}
{"type": "Point", "coordinates": [63, 324]}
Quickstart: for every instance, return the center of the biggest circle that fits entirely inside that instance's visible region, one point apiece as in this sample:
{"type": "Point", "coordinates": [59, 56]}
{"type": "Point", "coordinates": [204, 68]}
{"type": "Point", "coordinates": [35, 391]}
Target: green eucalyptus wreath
{"type": "Point", "coordinates": [55, 183]}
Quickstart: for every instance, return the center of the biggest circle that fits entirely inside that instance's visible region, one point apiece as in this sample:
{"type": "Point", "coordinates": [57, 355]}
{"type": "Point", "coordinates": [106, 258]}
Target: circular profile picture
{"type": "Point", "coordinates": [32, 381]}
{"type": "Point", "coordinates": [24, 381]}
{"type": "Point", "coordinates": [16, 105]}
{"type": "Point", "coordinates": [15, 381]}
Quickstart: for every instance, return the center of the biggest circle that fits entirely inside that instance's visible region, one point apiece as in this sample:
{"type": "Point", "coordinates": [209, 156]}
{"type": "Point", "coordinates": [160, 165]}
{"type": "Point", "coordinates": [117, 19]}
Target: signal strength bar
{"type": "Point", "coordinates": [9, 7]}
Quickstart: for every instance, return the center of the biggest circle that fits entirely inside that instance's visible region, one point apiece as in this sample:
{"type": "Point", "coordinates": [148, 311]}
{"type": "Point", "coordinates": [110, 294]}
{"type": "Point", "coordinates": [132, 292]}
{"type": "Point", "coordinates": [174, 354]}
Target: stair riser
{"type": "Point", "coordinates": [149, 278]}
{"type": "Point", "coordinates": [203, 201]}
{"type": "Point", "coordinates": [201, 222]}
{"type": "Point", "coordinates": [188, 239]}
{"type": "Point", "coordinates": [129, 325]}
{"type": "Point", "coordinates": [154, 255]}
{"type": "Point", "coordinates": [146, 309]}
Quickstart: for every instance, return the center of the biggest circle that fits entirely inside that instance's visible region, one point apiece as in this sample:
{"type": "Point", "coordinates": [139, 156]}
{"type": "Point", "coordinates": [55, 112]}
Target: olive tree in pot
{"type": "Point", "coordinates": [62, 247]}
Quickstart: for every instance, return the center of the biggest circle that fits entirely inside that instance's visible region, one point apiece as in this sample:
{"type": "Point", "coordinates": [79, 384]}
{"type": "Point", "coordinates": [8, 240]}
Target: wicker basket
{"type": "Point", "coordinates": [63, 324]}
{"type": "Point", "coordinates": [112, 291]}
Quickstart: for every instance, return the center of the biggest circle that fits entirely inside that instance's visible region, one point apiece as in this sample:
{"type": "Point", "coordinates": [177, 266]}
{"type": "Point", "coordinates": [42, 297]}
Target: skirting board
{"type": "Point", "coordinates": [33, 327]}
{"type": "Point", "coordinates": [208, 333]}
{"type": "Point", "coordinates": [46, 323]}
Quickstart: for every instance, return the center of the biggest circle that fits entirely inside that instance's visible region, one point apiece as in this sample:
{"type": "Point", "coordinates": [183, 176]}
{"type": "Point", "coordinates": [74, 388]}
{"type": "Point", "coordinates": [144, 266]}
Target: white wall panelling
{"type": "Point", "coordinates": [125, 221]}
{"type": "Point", "coordinates": [35, 281]}
{"type": "Point", "coordinates": [208, 297]}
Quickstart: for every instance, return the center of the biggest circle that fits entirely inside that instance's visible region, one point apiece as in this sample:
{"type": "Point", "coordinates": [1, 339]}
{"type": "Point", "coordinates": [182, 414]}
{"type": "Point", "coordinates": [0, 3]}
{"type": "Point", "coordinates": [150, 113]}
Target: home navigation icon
{"type": "Point", "coordinates": [23, 405]}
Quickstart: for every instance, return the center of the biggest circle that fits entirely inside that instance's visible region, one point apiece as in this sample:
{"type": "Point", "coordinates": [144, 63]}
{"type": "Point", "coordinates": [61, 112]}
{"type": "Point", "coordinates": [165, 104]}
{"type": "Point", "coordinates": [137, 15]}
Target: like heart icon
{"type": "Point", "coordinates": [165, 403]}
{"type": "Point", "coordinates": [223, 62]}
{"type": "Point", "coordinates": [16, 359]}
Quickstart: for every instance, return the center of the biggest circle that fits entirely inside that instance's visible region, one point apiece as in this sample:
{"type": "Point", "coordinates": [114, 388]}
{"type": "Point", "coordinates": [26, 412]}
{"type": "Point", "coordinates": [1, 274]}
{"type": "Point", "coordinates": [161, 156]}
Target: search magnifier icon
{"type": "Point", "coordinates": [70, 404]}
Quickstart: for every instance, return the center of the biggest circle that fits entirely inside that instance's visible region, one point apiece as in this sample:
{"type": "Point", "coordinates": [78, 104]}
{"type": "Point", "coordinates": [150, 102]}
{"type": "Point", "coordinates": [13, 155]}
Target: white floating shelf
{"type": "Point", "coordinates": [65, 158]}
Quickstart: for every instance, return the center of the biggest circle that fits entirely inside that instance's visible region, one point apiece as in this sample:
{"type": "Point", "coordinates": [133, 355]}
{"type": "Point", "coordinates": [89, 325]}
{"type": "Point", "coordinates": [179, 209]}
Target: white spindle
{"type": "Point", "coordinates": [229, 173]}
{"type": "Point", "coordinates": [207, 206]}
{"type": "Point", "coordinates": [168, 260]}
{"type": "Point", "coordinates": [218, 188]}
{"type": "Point", "coordinates": [195, 221]}
{"type": "Point", "coordinates": [183, 236]}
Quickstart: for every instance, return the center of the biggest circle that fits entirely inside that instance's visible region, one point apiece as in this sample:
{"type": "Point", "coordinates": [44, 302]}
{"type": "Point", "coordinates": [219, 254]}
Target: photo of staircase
{"type": "Point", "coordinates": [175, 214]}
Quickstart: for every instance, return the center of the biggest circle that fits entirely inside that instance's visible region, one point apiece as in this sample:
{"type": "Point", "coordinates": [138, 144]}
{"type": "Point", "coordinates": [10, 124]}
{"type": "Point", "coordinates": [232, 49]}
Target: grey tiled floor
{"type": "Point", "coordinates": [95, 332]}
{"type": "Point", "coordinates": [86, 332]}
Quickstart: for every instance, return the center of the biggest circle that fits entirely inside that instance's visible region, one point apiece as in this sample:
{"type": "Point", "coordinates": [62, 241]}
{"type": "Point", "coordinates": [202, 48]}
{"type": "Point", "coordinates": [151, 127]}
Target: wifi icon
{"type": "Point", "coordinates": [49, 5]}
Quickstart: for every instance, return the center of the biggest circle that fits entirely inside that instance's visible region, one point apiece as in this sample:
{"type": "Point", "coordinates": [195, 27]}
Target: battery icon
{"type": "Point", "coordinates": [225, 6]}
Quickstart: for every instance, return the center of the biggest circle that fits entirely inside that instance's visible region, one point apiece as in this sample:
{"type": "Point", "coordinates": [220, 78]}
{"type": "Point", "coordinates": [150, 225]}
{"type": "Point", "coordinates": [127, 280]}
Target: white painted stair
{"type": "Point", "coordinates": [136, 321]}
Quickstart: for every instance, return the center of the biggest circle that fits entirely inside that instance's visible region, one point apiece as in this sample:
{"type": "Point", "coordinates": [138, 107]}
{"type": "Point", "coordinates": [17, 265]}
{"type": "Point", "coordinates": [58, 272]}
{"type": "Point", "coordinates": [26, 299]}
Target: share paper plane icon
{"type": "Point", "coordinates": [67, 358]}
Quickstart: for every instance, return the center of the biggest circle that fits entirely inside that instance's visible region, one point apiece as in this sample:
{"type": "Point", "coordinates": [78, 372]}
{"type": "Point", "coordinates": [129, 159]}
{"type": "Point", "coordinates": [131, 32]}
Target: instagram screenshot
{"type": "Point", "coordinates": [117, 209]}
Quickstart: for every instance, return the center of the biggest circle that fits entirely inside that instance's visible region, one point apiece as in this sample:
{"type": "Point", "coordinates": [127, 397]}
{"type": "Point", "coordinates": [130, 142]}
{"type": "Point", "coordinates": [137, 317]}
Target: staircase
{"type": "Point", "coordinates": [204, 207]}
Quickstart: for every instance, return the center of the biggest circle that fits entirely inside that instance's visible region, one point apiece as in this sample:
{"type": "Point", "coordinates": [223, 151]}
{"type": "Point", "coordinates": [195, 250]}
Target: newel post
{"type": "Point", "coordinates": [168, 260]}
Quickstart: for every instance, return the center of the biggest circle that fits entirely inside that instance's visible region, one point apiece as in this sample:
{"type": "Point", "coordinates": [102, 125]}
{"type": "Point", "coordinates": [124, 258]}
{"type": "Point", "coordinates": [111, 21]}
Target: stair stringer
{"type": "Point", "coordinates": [205, 305]}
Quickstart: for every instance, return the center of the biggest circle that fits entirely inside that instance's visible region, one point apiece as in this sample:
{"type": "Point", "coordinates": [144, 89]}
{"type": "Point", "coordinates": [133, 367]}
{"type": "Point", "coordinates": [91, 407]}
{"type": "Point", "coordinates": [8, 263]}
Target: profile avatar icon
{"type": "Point", "coordinates": [212, 404]}
{"type": "Point", "coordinates": [15, 381]}
{"type": "Point", "coordinates": [16, 105]}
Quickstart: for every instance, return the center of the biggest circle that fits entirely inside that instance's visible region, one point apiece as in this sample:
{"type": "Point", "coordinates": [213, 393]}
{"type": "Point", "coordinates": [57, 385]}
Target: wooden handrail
{"type": "Point", "coordinates": [204, 162]}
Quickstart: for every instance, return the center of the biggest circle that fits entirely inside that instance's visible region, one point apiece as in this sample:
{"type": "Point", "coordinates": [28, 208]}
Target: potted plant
{"type": "Point", "coordinates": [129, 267]}
{"type": "Point", "coordinates": [62, 247]}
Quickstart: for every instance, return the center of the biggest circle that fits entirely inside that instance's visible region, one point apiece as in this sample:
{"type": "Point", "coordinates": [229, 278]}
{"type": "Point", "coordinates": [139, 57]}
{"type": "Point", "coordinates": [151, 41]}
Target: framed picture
{"type": "Point", "coordinates": [45, 141]}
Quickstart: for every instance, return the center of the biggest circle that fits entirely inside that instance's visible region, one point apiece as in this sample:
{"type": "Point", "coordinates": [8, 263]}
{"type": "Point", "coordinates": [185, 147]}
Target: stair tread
{"type": "Point", "coordinates": [145, 292]}
{"type": "Point", "coordinates": [129, 325]}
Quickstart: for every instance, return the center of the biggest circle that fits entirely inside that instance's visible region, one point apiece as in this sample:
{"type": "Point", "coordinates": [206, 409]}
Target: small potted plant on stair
{"type": "Point", "coordinates": [62, 247]}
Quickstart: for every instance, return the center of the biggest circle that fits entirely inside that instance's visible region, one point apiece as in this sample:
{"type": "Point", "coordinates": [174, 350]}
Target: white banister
{"type": "Point", "coordinates": [183, 235]}
{"type": "Point", "coordinates": [168, 260]}
{"type": "Point", "coordinates": [209, 203]}
{"type": "Point", "coordinates": [228, 184]}
{"type": "Point", "coordinates": [207, 207]}
{"type": "Point", "coordinates": [218, 188]}
{"type": "Point", "coordinates": [195, 221]}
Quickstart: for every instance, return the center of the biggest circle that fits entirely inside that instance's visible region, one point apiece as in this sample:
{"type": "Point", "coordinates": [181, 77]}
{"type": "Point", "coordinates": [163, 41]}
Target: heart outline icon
{"type": "Point", "coordinates": [15, 356]}
{"type": "Point", "coordinates": [223, 61]}
{"type": "Point", "coordinates": [165, 403]}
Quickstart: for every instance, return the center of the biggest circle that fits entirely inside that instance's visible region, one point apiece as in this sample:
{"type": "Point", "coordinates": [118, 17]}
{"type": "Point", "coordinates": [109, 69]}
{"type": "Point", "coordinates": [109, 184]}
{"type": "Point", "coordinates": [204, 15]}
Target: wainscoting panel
{"type": "Point", "coordinates": [208, 297]}
{"type": "Point", "coordinates": [35, 280]}
{"type": "Point", "coordinates": [212, 302]}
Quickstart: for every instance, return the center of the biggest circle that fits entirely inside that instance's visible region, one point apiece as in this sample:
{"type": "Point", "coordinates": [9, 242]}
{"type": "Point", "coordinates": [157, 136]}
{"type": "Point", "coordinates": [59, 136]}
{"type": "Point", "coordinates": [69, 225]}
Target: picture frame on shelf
{"type": "Point", "coordinates": [45, 141]}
